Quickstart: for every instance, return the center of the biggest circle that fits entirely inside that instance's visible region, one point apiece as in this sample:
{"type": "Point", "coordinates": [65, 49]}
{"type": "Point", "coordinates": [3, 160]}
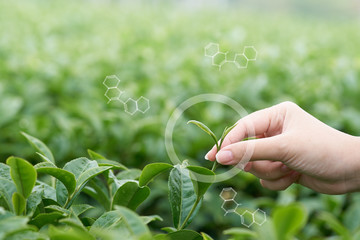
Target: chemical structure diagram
{"type": "Point", "coordinates": [113, 93]}
{"type": "Point", "coordinates": [230, 205]}
{"type": "Point", "coordinates": [240, 60]}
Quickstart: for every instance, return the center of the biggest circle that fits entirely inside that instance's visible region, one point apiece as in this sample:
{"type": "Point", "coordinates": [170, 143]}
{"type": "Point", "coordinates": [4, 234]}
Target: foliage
{"type": "Point", "coordinates": [54, 56]}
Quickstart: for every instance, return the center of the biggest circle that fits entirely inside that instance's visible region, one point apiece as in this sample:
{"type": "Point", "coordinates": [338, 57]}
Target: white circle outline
{"type": "Point", "coordinates": [209, 97]}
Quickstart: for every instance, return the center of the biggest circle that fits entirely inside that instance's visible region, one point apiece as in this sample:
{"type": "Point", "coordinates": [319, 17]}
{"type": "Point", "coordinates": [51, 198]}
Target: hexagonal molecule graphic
{"type": "Point", "coordinates": [111, 81]}
{"type": "Point", "coordinates": [250, 53]}
{"type": "Point", "coordinates": [219, 58]}
{"type": "Point", "coordinates": [241, 61]}
{"type": "Point", "coordinates": [211, 49]}
{"type": "Point", "coordinates": [143, 104]}
{"type": "Point", "coordinates": [113, 94]}
{"type": "Point", "coordinates": [131, 106]}
{"type": "Point", "coordinates": [228, 194]}
{"type": "Point", "coordinates": [259, 217]}
{"type": "Point", "coordinates": [229, 206]}
{"type": "Point", "coordinates": [247, 218]}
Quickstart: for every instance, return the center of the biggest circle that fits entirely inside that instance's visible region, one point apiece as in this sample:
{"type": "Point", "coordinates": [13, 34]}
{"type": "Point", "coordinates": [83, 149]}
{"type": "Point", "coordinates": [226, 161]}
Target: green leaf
{"type": "Point", "coordinates": [11, 224]}
{"type": "Point", "coordinates": [335, 225]}
{"type": "Point", "coordinates": [80, 208]}
{"type": "Point", "coordinates": [7, 189]}
{"type": "Point", "coordinates": [226, 131]}
{"type": "Point", "coordinates": [133, 174]}
{"type": "Point", "coordinates": [133, 223]}
{"type": "Point", "coordinates": [130, 195]}
{"type": "Point", "coordinates": [68, 233]}
{"type": "Point", "coordinates": [67, 178]}
{"type": "Point", "coordinates": [40, 146]}
{"type": "Point", "coordinates": [19, 203]}
{"type": "Point", "coordinates": [94, 155]}
{"type": "Point", "coordinates": [180, 235]}
{"type": "Point", "coordinates": [169, 229]}
{"type": "Point", "coordinates": [205, 129]}
{"type": "Point", "coordinates": [115, 165]}
{"type": "Point", "coordinates": [46, 218]}
{"type": "Point", "coordinates": [206, 237]}
{"type": "Point", "coordinates": [238, 232]}
{"type": "Point", "coordinates": [55, 208]}
{"type": "Point", "coordinates": [34, 199]}
{"type": "Point", "coordinates": [182, 195]}
{"type": "Point", "coordinates": [23, 175]}
{"type": "Point", "coordinates": [5, 172]}
{"type": "Point", "coordinates": [150, 171]}
{"type": "Point", "coordinates": [151, 218]}
{"type": "Point", "coordinates": [288, 220]}
{"type": "Point", "coordinates": [201, 187]}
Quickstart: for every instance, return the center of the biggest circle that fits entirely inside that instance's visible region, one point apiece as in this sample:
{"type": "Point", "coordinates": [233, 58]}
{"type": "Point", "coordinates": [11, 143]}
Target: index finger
{"type": "Point", "coordinates": [263, 123]}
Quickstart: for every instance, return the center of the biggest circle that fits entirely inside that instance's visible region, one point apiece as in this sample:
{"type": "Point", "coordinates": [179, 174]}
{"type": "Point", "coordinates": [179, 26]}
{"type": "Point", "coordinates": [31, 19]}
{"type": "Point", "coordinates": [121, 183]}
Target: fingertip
{"type": "Point", "coordinates": [248, 167]}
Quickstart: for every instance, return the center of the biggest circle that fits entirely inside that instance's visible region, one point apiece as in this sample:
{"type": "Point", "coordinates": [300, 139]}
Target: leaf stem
{"type": "Point", "coordinates": [190, 213]}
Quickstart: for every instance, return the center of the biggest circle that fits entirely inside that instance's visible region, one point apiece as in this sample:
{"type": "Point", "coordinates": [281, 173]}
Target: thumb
{"type": "Point", "coordinates": [270, 148]}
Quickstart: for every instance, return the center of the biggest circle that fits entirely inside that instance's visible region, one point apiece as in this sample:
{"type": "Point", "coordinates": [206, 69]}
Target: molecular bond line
{"type": "Point", "coordinates": [113, 93]}
{"type": "Point", "coordinates": [230, 205]}
{"type": "Point", "coordinates": [240, 60]}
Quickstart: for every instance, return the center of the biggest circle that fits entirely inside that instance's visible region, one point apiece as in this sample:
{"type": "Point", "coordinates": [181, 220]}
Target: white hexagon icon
{"type": "Point", "coordinates": [250, 53]}
{"type": "Point", "coordinates": [241, 61]}
{"type": "Point", "coordinates": [111, 81]}
{"type": "Point", "coordinates": [211, 49]}
{"type": "Point", "coordinates": [229, 206]}
{"type": "Point", "coordinates": [259, 217]}
{"type": "Point", "coordinates": [113, 94]}
{"type": "Point", "coordinates": [143, 104]}
{"type": "Point", "coordinates": [130, 106]}
{"type": "Point", "coordinates": [228, 194]}
{"type": "Point", "coordinates": [247, 218]}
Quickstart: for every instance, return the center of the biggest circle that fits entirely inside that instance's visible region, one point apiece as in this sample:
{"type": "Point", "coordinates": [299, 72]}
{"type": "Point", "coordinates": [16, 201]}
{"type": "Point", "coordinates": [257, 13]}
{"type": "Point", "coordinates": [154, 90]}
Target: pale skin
{"type": "Point", "coordinates": [292, 146]}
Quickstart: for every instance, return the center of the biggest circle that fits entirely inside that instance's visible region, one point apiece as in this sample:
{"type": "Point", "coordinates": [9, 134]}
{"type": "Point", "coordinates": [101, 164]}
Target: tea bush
{"type": "Point", "coordinates": [54, 56]}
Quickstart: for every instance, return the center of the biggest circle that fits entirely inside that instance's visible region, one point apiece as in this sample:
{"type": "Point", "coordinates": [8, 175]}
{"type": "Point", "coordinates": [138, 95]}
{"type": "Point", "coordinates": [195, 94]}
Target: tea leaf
{"type": "Point", "coordinates": [152, 170]}
{"type": "Point", "coordinates": [94, 155]}
{"type": "Point", "coordinates": [19, 203]}
{"type": "Point", "coordinates": [205, 129]}
{"type": "Point", "coordinates": [199, 186]}
{"type": "Point", "coordinates": [67, 178]}
{"type": "Point", "coordinates": [182, 196]}
{"type": "Point", "coordinates": [23, 174]}
{"type": "Point", "coordinates": [40, 146]}
{"type": "Point", "coordinates": [130, 195]}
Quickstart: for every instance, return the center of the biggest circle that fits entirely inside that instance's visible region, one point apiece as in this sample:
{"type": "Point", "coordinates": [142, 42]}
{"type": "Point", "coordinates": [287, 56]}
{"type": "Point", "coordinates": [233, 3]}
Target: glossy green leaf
{"type": "Point", "coordinates": [55, 208]}
{"type": "Point", "coordinates": [225, 132]}
{"type": "Point", "coordinates": [182, 195]}
{"type": "Point", "coordinates": [288, 220]}
{"type": "Point", "coordinates": [34, 199]}
{"type": "Point", "coordinates": [94, 155]}
{"type": "Point", "coordinates": [40, 146]}
{"type": "Point", "coordinates": [70, 233]}
{"type": "Point", "coordinates": [206, 237]}
{"type": "Point", "coordinates": [180, 235]}
{"type": "Point", "coordinates": [80, 208]}
{"type": "Point", "coordinates": [151, 218]}
{"type": "Point", "coordinates": [5, 172]}
{"type": "Point", "coordinates": [239, 232]}
{"type": "Point", "coordinates": [133, 223]}
{"type": "Point", "coordinates": [130, 195]}
{"type": "Point", "coordinates": [205, 129]}
{"type": "Point", "coordinates": [66, 177]}
{"type": "Point", "coordinates": [169, 229]}
{"type": "Point", "coordinates": [151, 170]}
{"type": "Point", "coordinates": [7, 189]}
{"type": "Point", "coordinates": [115, 165]}
{"type": "Point", "coordinates": [19, 203]}
{"type": "Point", "coordinates": [133, 174]}
{"type": "Point", "coordinates": [196, 173]}
{"type": "Point", "coordinates": [46, 218]}
{"type": "Point", "coordinates": [23, 174]}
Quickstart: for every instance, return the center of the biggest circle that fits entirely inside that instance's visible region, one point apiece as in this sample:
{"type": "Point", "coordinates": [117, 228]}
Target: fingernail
{"type": "Point", "coordinates": [224, 156]}
{"type": "Point", "coordinates": [207, 156]}
{"type": "Point", "coordinates": [285, 168]}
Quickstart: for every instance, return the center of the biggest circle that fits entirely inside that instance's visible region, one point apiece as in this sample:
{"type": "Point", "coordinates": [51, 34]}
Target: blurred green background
{"type": "Point", "coordinates": [54, 56]}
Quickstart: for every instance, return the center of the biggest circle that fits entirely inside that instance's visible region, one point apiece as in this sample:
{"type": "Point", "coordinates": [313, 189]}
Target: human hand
{"type": "Point", "coordinates": [293, 147]}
